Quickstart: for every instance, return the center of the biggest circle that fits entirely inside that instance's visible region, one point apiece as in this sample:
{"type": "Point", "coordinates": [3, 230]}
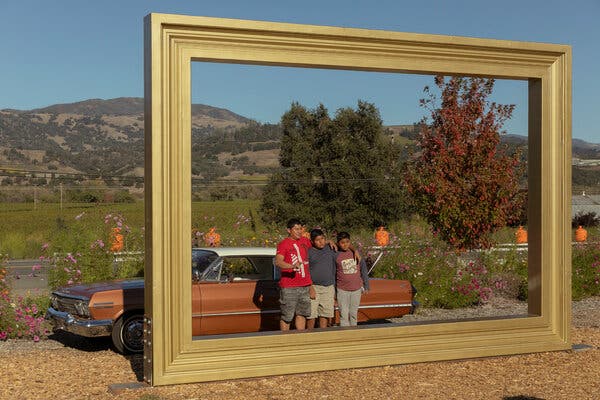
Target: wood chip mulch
{"type": "Point", "coordinates": [69, 367]}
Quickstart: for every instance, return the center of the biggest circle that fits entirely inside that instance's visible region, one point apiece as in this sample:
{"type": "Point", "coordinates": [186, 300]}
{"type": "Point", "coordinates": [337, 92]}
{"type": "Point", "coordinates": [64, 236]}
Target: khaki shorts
{"type": "Point", "coordinates": [322, 306]}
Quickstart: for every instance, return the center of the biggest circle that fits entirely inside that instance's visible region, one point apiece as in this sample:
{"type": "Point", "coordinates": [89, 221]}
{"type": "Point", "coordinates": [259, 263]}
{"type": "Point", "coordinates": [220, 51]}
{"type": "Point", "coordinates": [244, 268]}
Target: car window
{"type": "Point", "coordinates": [201, 259]}
{"type": "Point", "coordinates": [239, 268]}
{"type": "Point", "coordinates": [265, 267]}
{"type": "Point", "coordinates": [214, 271]}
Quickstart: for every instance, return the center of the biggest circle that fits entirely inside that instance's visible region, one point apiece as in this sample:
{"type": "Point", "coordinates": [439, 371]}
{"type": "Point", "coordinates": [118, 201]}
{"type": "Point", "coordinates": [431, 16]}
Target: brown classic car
{"type": "Point", "coordinates": [234, 290]}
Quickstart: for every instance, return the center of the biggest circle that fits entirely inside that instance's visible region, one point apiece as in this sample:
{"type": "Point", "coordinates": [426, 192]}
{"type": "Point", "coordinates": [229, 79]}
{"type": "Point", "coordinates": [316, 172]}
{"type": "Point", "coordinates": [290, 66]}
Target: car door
{"type": "Point", "coordinates": [237, 298]}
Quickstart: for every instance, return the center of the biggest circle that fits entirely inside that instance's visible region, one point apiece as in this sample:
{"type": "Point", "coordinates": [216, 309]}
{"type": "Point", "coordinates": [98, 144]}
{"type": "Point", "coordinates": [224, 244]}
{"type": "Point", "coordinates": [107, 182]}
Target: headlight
{"type": "Point", "coordinates": [82, 308]}
{"type": "Point", "coordinates": [54, 302]}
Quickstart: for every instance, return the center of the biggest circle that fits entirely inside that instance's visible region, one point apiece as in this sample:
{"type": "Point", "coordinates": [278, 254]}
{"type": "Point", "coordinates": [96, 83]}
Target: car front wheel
{"type": "Point", "coordinates": [128, 333]}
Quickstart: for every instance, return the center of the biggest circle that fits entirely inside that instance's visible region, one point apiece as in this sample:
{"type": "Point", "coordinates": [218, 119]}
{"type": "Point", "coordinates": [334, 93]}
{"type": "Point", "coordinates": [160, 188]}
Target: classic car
{"type": "Point", "coordinates": [234, 290]}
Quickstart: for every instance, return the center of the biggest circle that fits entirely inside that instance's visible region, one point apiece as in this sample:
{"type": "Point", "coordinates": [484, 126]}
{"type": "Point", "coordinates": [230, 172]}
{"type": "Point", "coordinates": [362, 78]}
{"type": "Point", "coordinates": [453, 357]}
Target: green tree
{"type": "Point", "coordinates": [342, 172]}
{"type": "Point", "coordinates": [461, 181]}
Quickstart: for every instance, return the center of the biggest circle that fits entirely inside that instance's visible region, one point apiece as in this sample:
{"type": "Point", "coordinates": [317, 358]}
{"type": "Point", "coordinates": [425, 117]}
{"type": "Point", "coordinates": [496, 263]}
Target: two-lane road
{"type": "Point", "coordinates": [23, 279]}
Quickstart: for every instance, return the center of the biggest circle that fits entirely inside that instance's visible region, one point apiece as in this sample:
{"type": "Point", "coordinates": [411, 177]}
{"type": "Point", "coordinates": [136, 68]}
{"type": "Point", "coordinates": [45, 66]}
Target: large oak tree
{"type": "Point", "coordinates": [339, 172]}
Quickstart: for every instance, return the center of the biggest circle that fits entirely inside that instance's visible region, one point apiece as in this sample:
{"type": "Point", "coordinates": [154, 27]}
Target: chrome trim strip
{"type": "Point", "coordinates": [387, 306]}
{"type": "Point", "coordinates": [105, 304]}
{"type": "Point", "coordinates": [200, 315]}
{"type": "Point", "coordinates": [236, 313]}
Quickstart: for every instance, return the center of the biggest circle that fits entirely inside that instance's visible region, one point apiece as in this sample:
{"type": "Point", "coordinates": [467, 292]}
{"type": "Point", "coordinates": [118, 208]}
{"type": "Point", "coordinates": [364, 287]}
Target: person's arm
{"type": "Point", "coordinates": [334, 247]}
{"type": "Point", "coordinates": [279, 263]}
{"type": "Point", "coordinates": [364, 272]}
{"type": "Point", "coordinates": [357, 256]}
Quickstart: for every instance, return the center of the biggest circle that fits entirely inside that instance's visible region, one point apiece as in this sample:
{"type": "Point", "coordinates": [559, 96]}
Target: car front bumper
{"type": "Point", "coordinates": [84, 327]}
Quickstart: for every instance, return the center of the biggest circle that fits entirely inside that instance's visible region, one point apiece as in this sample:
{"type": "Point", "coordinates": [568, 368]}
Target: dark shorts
{"type": "Point", "coordinates": [294, 301]}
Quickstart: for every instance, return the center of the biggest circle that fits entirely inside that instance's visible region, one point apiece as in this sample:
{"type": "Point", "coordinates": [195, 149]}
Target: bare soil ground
{"type": "Point", "coordinates": [70, 367]}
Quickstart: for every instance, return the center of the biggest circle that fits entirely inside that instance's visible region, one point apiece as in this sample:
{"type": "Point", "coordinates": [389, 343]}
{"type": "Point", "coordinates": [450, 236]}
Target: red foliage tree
{"type": "Point", "coordinates": [461, 182]}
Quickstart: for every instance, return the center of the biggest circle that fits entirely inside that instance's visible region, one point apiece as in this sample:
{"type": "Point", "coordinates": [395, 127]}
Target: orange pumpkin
{"type": "Point", "coordinates": [305, 233]}
{"type": "Point", "coordinates": [521, 235]}
{"type": "Point", "coordinates": [116, 240]}
{"type": "Point", "coordinates": [580, 234]}
{"type": "Point", "coordinates": [212, 238]}
{"type": "Point", "coordinates": [382, 237]}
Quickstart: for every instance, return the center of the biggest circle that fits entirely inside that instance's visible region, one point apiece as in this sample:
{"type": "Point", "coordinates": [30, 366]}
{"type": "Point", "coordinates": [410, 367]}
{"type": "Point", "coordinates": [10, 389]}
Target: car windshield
{"type": "Point", "coordinates": [201, 259]}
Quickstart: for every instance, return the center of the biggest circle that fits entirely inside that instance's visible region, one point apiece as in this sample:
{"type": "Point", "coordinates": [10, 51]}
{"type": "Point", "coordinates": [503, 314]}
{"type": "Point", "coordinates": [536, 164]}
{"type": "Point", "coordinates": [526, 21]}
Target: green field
{"type": "Point", "coordinates": [24, 230]}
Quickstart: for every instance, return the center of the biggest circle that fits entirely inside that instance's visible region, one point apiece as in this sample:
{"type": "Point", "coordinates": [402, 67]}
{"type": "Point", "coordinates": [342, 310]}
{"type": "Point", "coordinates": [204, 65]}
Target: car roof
{"type": "Point", "coordinates": [240, 251]}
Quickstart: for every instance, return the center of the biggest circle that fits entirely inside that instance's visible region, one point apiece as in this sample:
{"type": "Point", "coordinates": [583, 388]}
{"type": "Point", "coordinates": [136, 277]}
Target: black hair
{"type": "Point", "coordinates": [343, 235]}
{"type": "Point", "coordinates": [292, 222]}
{"type": "Point", "coordinates": [314, 233]}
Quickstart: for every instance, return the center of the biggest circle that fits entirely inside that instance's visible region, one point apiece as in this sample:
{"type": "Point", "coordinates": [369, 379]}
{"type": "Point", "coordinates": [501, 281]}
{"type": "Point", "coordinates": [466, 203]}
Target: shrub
{"type": "Point", "coordinates": [22, 317]}
{"type": "Point", "coordinates": [123, 196]}
{"type": "Point", "coordinates": [81, 252]}
{"type": "Point", "coordinates": [585, 270]}
{"type": "Point", "coordinates": [588, 219]}
{"type": "Point", "coordinates": [448, 279]}
{"type": "Point", "coordinates": [431, 266]}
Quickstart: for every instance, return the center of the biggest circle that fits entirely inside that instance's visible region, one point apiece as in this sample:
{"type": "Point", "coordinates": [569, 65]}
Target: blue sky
{"type": "Point", "coordinates": [67, 51]}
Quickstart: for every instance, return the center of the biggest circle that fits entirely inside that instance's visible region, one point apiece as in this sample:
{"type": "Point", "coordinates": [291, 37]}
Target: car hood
{"type": "Point", "coordinates": [88, 289]}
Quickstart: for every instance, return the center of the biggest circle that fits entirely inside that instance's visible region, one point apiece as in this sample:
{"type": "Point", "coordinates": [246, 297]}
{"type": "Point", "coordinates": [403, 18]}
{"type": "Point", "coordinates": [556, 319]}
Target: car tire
{"type": "Point", "coordinates": [128, 333]}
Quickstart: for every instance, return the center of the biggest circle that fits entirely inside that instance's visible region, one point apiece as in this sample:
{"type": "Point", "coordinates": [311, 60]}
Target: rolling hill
{"type": "Point", "coordinates": [106, 138]}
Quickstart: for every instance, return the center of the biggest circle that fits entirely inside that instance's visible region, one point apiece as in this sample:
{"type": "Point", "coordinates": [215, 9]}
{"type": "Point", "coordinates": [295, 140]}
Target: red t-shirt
{"type": "Point", "coordinates": [348, 276]}
{"type": "Point", "coordinates": [292, 251]}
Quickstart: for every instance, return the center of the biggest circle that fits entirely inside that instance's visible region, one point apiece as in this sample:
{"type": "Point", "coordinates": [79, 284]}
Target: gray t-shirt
{"type": "Point", "coordinates": [322, 265]}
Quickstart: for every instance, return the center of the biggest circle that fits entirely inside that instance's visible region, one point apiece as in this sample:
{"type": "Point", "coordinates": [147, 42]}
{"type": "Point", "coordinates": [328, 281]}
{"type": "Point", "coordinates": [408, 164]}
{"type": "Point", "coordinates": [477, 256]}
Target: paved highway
{"type": "Point", "coordinates": [23, 279]}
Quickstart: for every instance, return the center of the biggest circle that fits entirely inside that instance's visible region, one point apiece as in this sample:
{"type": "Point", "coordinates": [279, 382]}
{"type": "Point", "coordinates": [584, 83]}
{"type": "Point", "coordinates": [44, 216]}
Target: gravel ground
{"type": "Point", "coordinates": [69, 367]}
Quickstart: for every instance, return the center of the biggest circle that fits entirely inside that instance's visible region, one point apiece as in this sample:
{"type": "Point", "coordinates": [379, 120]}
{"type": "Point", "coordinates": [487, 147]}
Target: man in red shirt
{"type": "Point", "coordinates": [295, 282]}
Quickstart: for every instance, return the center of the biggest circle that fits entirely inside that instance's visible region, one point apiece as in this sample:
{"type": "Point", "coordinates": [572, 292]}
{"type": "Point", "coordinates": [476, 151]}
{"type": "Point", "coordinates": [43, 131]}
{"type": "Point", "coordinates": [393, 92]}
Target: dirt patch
{"type": "Point", "coordinates": [74, 367]}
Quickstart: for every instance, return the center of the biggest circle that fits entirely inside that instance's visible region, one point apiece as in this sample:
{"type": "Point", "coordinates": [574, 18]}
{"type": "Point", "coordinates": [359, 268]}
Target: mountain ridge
{"type": "Point", "coordinates": [97, 136]}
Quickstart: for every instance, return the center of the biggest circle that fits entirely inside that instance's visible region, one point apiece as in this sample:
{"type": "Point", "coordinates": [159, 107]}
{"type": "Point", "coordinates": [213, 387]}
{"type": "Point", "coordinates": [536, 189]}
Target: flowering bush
{"type": "Point", "coordinates": [586, 270]}
{"type": "Point", "coordinates": [21, 317]}
{"type": "Point", "coordinates": [445, 278]}
{"type": "Point", "coordinates": [84, 251]}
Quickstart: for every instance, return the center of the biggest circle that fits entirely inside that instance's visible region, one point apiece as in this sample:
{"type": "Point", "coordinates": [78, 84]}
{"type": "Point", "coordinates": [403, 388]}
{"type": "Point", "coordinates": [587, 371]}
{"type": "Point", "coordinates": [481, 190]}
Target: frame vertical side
{"type": "Point", "coordinates": [562, 120]}
{"type": "Point", "coordinates": [535, 198]}
{"type": "Point", "coordinates": [156, 231]}
{"type": "Point", "coordinates": [148, 193]}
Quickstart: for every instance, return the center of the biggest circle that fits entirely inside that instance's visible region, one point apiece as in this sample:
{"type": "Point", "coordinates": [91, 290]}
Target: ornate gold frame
{"type": "Point", "coordinates": [172, 42]}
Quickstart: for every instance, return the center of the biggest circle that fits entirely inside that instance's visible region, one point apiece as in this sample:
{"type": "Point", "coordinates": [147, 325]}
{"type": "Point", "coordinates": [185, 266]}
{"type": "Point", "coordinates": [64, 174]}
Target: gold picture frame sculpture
{"type": "Point", "coordinates": [172, 42]}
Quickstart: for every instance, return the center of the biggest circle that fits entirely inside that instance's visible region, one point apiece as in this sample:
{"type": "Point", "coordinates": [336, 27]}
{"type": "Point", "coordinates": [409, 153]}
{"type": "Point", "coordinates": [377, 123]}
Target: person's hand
{"type": "Point", "coordinates": [333, 245]}
{"type": "Point", "coordinates": [312, 292]}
